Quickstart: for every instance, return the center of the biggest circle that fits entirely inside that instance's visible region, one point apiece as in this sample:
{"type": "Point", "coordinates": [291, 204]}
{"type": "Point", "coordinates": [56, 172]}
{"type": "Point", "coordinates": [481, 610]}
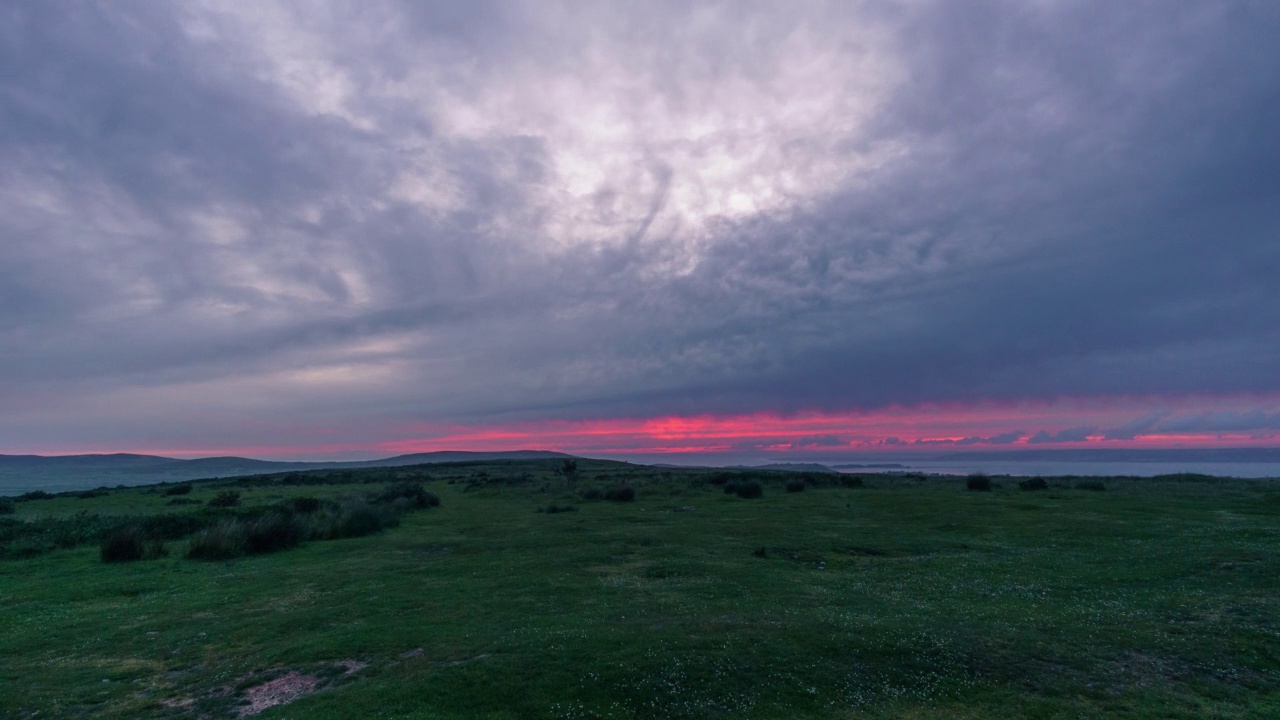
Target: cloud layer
{"type": "Point", "coordinates": [277, 223]}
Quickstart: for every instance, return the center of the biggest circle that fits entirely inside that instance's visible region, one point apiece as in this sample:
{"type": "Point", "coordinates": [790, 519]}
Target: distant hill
{"type": "Point", "coordinates": [789, 467]}
{"type": "Point", "coordinates": [61, 473]}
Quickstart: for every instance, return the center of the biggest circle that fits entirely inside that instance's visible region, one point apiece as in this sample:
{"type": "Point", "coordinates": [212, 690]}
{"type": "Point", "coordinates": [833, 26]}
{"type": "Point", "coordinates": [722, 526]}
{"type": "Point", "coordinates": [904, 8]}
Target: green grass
{"type": "Point", "coordinates": [904, 598]}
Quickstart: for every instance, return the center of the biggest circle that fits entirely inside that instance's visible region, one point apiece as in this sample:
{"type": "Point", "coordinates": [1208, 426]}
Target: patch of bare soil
{"type": "Point", "coordinates": [284, 689]}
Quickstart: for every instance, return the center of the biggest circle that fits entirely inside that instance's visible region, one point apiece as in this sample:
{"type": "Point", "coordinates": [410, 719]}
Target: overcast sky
{"type": "Point", "coordinates": [319, 229]}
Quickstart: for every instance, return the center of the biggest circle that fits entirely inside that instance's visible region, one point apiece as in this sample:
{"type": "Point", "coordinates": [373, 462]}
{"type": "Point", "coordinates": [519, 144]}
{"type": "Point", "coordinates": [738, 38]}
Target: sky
{"type": "Point", "coordinates": [354, 229]}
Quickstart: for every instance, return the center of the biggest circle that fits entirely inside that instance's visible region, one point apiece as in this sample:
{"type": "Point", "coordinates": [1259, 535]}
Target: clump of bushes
{"type": "Point", "coordinates": [621, 493]}
{"type": "Point", "coordinates": [129, 543]}
{"type": "Point", "coordinates": [184, 489]}
{"type": "Point", "coordinates": [1090, 485]}
{"type": "Point", "coordinates": [850, 481]}
{"type": "Point", "coordinates": [35, 495]}
{"type": "Point", "coordinates": [795, 486]}
{"type": "Point", "coordinates": [304, 505]}
{"type": "Point", "coordinates": [553, 509]}
{"type": "Point", "coordinates": [746, 489]}
{"type": "Point", "coordinates": [594, 493]}
{"type": "Point", "coordinates": [225, 499]}
{"type": "Point", "coordinates": [271, 532]}
{"type": "Point", "coordinates": [6, 506]}
{"type": "Point", "coordinates": [353, 517]}
{"type": "Point", "coordinates": [222, 541]}
{"type": "Point", "coordinates": [412, 493]}
{"type": "Point", "coordinates": [760, 552]}
{"type": "Point", "coordinates": [978, 482]}
{"type": "Point", "coordinates": [1036, 483]}
{"type": "Point", "coordinates": [91, 494]}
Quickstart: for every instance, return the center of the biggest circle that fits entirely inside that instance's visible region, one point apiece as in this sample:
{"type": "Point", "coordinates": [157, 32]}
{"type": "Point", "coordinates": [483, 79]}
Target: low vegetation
{"type": "Point", "coordinates": [442, 592]}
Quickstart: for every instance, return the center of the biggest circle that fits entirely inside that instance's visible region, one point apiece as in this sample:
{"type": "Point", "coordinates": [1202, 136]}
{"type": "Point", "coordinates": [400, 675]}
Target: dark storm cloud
{"type": "Point", "coordinates": [386, 212]}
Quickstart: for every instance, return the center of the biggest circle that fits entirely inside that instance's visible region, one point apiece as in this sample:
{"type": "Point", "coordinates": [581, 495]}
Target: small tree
{"type": "Point", "coordinates": [569, 469]}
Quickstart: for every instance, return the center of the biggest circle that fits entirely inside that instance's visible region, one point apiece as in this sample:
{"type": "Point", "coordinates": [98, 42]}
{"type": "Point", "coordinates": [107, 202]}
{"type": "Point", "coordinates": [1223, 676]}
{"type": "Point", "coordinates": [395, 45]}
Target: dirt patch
{"type": "Point", "coordinates": [284, 689]}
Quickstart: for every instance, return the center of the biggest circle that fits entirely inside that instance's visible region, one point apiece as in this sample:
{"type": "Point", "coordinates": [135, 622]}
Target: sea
{"type": "Point", "coordinates": [1051, 468]}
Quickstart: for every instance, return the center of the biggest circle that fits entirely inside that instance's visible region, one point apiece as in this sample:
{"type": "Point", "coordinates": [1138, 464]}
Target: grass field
{"type": "Point", "coordinates": [903, 598]}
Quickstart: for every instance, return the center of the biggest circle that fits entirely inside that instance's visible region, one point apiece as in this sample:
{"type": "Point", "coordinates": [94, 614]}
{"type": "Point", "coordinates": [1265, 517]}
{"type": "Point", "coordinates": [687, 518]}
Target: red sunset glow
{"type": "Point", "coordinates": [890, 430]}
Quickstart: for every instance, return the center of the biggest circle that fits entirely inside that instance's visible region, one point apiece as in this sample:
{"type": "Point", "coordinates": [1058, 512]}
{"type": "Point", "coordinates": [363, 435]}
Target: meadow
{"type": "Point", "coordinates": [623, 591]}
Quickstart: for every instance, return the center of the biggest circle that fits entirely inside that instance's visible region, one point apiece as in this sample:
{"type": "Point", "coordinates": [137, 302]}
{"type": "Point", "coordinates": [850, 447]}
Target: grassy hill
{"type": "Point", "coordinates": [522, 597]}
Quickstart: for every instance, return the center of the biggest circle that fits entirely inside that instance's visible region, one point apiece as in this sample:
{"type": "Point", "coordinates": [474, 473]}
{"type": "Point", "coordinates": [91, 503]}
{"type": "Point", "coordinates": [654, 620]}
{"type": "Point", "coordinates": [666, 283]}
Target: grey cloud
{"type": "Point", "coordinates": [1076, 434]}
{"type": "Point", "coordinates": [1001, 439]}
{"type": "Point", "coordinates": [1139, 426]}
{"type": "Point", "coordinates": [1226, 421]}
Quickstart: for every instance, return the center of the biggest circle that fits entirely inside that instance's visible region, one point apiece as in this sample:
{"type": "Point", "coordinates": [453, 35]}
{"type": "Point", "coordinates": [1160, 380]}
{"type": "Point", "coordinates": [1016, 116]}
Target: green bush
{"type": "Point", "coordinates": [184, 489]}
{"type": "Point", "coordinates": [304, 505]}
{"type": "Point", "coordinates": [223, 541]}
{"type": "Point", "coordinates": [553, 509]}
{"type": "Point", "coordinates": [978, 482]}
{"type": "Point", "coordinates": [795, 486]}
{"type": "Point", "coordinates": [270, 533]}
{"type": "Point", "coordinates": [6, 506]}
{"type": "Point", "coordinates": [1091, 485]}
{"type": "Point", "coordinates": [1033, 484]}
{"type": "Point", "coordinates": [35, 495]}
{"type": "Point", "coordinates": [850, 481]}
{"type": "Point", "coordinates": [594, 493]}
{"type": "Point", "coordinates": [225, 499]}
{"type": "Point", "coordinates": [749, 489]}
{"type": "Point", "coordinates": [129, 543]}
{"type": "Point", "coordinates": [416, 495]}
{"type": "Point", "coordinates": [353, 517]}
{"type": "Point", "coordinates": [622, 493]}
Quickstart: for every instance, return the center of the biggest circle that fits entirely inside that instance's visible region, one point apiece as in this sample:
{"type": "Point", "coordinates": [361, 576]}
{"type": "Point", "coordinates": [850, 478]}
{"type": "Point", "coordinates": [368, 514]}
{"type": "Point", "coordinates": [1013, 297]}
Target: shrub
{"type": "Point", "coordinates": [1090, 485]}
{"type": "Point", "coordinates": [6, 506]}
{"type": "Point", "coordinates": [795, 486]}
{"type": "Point", "coordinates": [35, 495]}
{"type": "Point", "coordinates": [850, 481]}
{"type": "Point", "coordinates": [271, 532]}
{"type": "Point", "coordinates": [760, 552]}
{"type": "Point", "coordinates": [416, 495]}
{"type": "Point", "coordinates": [226, 498]}
{"type": "Point", "coordinates": [553, 509]}
{"type": "Point", "coordinates": [183, 501]}
{"type": "Point", "coordinates": [223, 541]}
{"type": "Point", "coordinates": [594, 493]}
{"type": "Point", "coordinates": [304, 505]}
{"type": "Point", "coordinates": [978, 482]}
{"type": "Point", "coordinates": [184, 489]}
{"type": "Point", "coordinates": [353, 517]}
{"type": "Point", "coordinates": [1033, 484]}
{"type": "Point", "coordinates": [91, 494]}
{"type": "Point", "coordinates": [622, 493]}
{"type": "Point", "coordinates": [129, 543]}
{"type": "Point", "coordinates": [749, 489]}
